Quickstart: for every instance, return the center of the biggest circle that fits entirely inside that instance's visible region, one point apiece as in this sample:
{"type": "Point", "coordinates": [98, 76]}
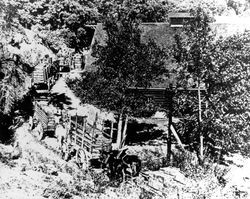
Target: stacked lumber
{"type": "Point", "coordinates": [38, 75]}
{"type": "Point", "coordinates": [78, 61]}
{"type": "Point", "coordinates": [41, 115]}
{"type": "Point", "coordinates": [41, 73]}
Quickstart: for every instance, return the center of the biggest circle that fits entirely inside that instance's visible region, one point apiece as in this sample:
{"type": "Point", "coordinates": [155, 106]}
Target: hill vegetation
{"type": "Point", "coordinates": [31, 30]}
{"type": "Point", "coordinates": [64, 24]}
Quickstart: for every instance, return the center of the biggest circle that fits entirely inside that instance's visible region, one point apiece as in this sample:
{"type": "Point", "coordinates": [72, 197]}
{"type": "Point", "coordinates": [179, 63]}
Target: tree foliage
{"type": "Point", "coordinates": [229, 89]}
{"type": "Point", "coordinates": [12, 74]}
{"type": "Point", "coordinates": [124, 61]}
{"type": "Point", "coordinates": [223, 66]}
{"type": "Point", "coordinates": [9, 11]}
{"type": "Point", "coordinates": [69, 16]}
{"type": "Point", "coordinates": [12, 70]}
{"type": "Point", "coordinates": [144, 10]}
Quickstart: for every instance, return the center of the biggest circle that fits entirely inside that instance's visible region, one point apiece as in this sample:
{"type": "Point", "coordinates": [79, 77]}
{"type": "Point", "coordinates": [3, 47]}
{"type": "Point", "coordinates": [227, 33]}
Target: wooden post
{"type": "Point", "coordinates": [83, 131]}
{"type": "Point", "coordinates": [76, 128]}
{"type": "Point", "coordinates": [124, 135]}
{"type": "Point", "coordinates": [176, 136]}
{"type": "Point", "coordinates": [119, 131]}
{"type": "Point", "coordinates": [111, 131]}
{"type": "Point", "coordinates": [69, 129]}
{"type": "Point", "coordinates": [199, 121]}
{"type": "Point", "coordinates": [170, 112]}
{"type": "Point", "coordinates": [93, 132]}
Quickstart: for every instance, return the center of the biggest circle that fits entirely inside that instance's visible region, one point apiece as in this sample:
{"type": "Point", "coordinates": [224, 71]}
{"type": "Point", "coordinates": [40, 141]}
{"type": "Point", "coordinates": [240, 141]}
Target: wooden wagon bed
{"type": "Point", "coordinates": [47, 120]}
{"type": "Point", "coordinates": [91, 138]}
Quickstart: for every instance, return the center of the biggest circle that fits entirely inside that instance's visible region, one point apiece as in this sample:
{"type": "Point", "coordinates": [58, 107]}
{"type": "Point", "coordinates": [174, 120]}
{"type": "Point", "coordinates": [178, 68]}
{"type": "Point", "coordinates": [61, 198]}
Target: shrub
{"type": "Point", "coordinates": [183, 159]}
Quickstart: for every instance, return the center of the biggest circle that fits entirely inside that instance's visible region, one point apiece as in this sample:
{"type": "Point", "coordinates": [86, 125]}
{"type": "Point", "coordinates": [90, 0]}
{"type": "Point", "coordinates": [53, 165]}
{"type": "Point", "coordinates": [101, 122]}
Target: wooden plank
{"type": "Point", "coordinates": [176, 136]}
{"type": "Point", "coordinates": [42, 116]}
{"type": "Point", "coordinates": [79, 126]}
{"type": "Point", "coordinates": [80, 133]}
{"type": "Point", "coordinates": [73, 124]}
{"type": "Point", "coordinates": [99, 130]}
{"type": "Point", "coordinates": [78, 137]}
{"type": "Point", "coordinates": [41, 113]}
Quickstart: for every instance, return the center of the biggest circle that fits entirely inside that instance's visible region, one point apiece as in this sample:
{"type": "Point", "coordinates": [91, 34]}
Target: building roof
{"type": "Point", "coordinates": [163, 33]}
{"type": "Point", "coordinates": [180, 15]}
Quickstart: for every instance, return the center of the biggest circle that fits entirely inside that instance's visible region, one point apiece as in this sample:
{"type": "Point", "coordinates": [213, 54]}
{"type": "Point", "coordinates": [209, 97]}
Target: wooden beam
{"type": "Point", "coordinates": [164, 88]}
{"type": "Point", "coordinates": [176, 136]}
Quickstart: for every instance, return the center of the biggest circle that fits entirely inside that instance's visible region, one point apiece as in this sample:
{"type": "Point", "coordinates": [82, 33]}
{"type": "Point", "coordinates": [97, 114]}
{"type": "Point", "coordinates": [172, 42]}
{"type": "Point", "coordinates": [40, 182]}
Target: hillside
{"type": "Point", "coordinates": [38, 172]}
{"type": "Point", "coordinates": [32, 31]}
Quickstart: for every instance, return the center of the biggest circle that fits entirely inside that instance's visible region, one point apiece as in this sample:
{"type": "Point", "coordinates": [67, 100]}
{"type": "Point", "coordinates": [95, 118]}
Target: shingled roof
{"type": "Point", "coordinates": [180, 15]}
{"type": "Point", "coordinates": [161, 33]}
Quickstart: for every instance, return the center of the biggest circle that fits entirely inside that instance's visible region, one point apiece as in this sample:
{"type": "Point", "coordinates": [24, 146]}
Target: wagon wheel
{"type": "Point", "coordinates": [82, 159]}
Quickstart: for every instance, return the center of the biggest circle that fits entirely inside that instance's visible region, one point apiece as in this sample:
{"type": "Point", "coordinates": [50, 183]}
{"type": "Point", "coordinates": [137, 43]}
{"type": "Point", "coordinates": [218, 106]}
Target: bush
{"type": "Point", "coordinates": [182, 157]}
{"type": "Point", "coordinates": [153, 160]}
{"type": "Point", "coordinates": [188, 164]}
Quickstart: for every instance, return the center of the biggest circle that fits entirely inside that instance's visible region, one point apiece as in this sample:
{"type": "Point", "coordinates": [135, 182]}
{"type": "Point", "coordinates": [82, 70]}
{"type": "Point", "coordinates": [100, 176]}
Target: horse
{"type": "Point", "coordinates": [120, 165]}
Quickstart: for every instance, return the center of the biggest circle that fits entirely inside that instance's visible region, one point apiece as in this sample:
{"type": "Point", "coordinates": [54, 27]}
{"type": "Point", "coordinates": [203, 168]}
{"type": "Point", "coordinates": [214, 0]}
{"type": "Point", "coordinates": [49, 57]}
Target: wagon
{"type": "Point", "coordinates": [88, 139]}
{"type": "Point", "coordinates": [45, 119]}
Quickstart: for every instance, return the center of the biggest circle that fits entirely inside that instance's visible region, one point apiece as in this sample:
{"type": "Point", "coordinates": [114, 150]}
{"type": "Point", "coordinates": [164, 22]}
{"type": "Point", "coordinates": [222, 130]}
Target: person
{"type": "Point", "coordinates": [60, 134]}
{"type": "Point", "coordinates": [17, 151]}
{"type": "Point", "coordinates": [39, 130]}
{"type": "Point", "coordinates": [30, 123]}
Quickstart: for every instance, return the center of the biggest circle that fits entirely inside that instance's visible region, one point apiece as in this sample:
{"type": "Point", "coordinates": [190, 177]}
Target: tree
{"type": "Point", "coordinates": [222, 65]}
{"type": "Point", "coordinates": [238, 5]}
{"type": "Point", "coordinates": [70, 17]}
{"type": "Point", "coordinates": [12, 75]}
{"type": "Point", "coordinates": [12, 72]}
{"type": "Point", "coordinates": [216, 7]}
{"type": "Point", "coordinates": [229, 90]}
{"type": "Point", "coordinates": [124, 61]}
{"type": "Point", "coordinates": [144, 10]}
{"type": "Point", "coordinates": [9, 12]}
